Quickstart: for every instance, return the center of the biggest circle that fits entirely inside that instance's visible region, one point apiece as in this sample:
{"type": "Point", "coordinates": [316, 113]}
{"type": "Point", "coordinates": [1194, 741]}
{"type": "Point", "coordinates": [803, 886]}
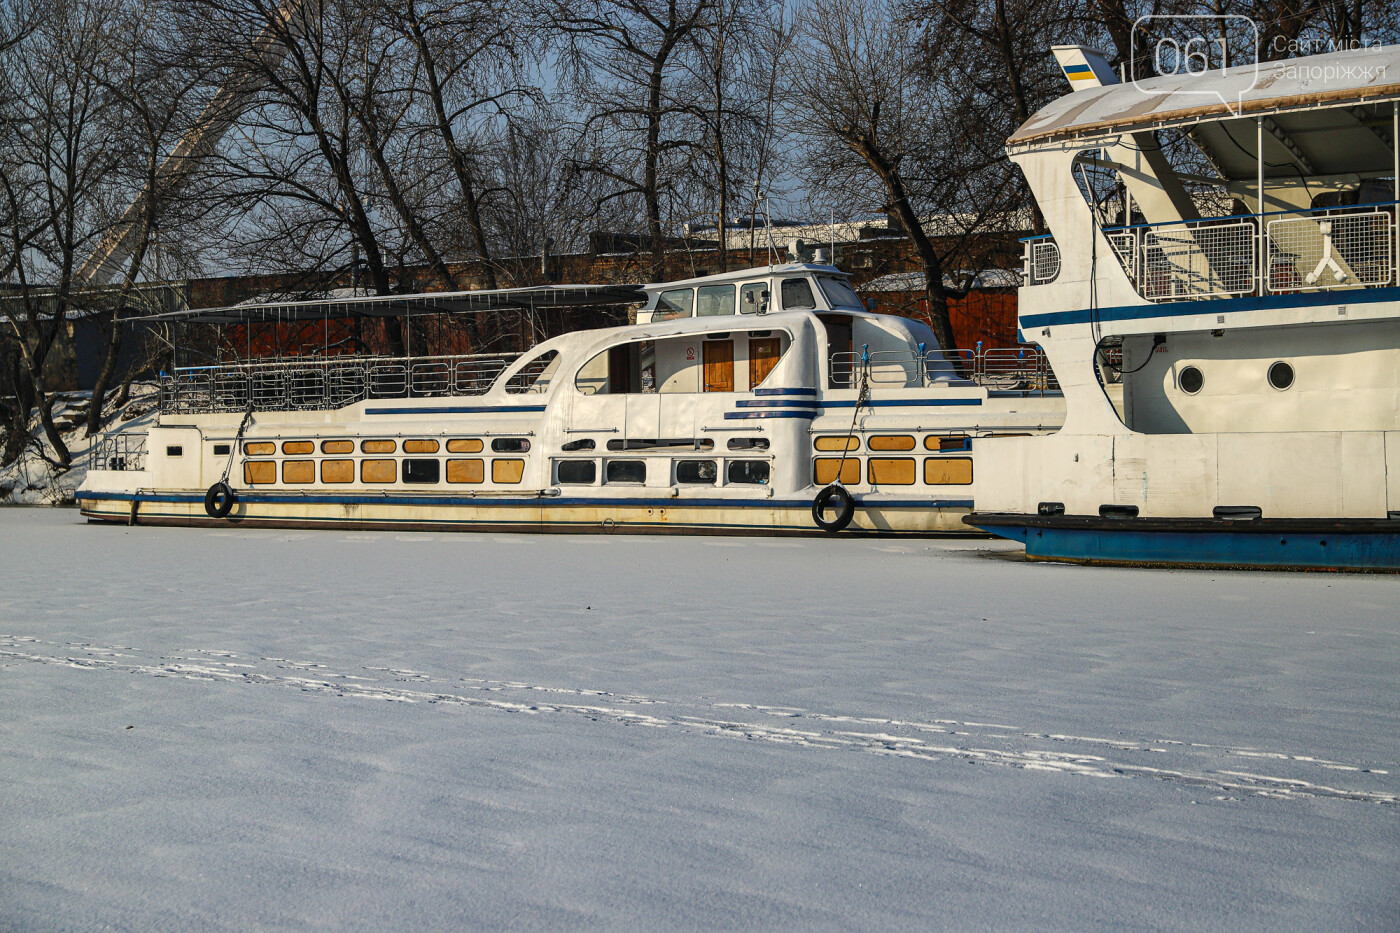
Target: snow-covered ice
{"type": "Point", "coordinates": [237, 729]}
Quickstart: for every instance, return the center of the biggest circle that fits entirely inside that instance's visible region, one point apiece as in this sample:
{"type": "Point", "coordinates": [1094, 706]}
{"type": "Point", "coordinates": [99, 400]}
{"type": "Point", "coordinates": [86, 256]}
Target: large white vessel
{"type": "Point", "coordinates": [1223, 247]}
{"type": "Point", "coordinates": [735, 402]}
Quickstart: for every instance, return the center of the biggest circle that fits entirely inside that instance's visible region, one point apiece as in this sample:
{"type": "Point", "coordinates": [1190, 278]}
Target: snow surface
{"type": "Point", "coordinates": [257, 730]}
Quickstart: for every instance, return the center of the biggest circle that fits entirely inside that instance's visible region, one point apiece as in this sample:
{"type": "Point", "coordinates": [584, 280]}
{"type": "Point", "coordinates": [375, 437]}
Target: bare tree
{"type": "Point", "coordinates": [622, 58]}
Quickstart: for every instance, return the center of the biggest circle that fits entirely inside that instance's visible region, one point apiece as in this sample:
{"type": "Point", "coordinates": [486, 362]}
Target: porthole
{"type": "Point", "coordinates": [1190, 380]}
{"type": "Point", "coordinates": [1281, 375]}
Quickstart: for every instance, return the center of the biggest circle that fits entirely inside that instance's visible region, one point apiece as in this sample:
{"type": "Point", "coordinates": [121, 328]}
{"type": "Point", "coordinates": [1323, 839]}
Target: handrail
{"type": "Point", "coordinates": [1320, 249]}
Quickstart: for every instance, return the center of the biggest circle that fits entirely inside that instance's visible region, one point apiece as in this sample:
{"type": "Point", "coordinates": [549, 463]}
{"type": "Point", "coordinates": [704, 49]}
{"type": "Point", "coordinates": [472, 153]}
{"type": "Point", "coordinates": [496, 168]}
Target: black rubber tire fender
{"type": "Point", "coordinates": [219, 500]}
{"type": "Point", "coordinates": [845, 504]}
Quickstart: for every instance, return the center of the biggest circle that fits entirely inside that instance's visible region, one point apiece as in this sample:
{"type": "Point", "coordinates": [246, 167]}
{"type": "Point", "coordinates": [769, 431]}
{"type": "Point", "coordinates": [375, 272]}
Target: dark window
{"type": "Point", "coordinates": [585, 443]}
{"type": "Point", "coordinates": [748, 471]}
{"type": "Point", "coordinates": [627, 471]}
{"type": "Point", "coordinates": [748, 443]}
{"type": "Point", "coordinates": [654, 443]}
{"type": "Point", "coordinates": [1191, 380]}
{"type": "Point", "coordinates": [221, 450]}
{"type": "Point", "coordinates": [577, 472]}
{"type": "Point", "coordinates": [797, 294]}
{"type": "Point", "coordinates": [696, 471]}
{"type": "Point", "coordinates": [510, 445]}
{"type": "Point", "coordinates": [174, 451]}
{"type": "Point", "coordinates": [421, 471]}
{"type": "Point", "coordinates": [1280, 375]}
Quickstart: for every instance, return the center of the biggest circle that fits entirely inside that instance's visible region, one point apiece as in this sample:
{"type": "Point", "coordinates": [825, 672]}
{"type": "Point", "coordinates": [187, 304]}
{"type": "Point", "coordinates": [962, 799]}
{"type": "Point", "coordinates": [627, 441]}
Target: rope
{"type": "Point", "coordinates": [862, 397]}
{"type": "Point", "coordinates": [238, 439]}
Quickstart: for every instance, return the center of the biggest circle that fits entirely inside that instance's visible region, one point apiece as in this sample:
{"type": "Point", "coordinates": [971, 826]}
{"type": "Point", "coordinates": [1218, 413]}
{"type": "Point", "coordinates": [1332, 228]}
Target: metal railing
{"type": "Point", "coordinates": [1023, 368]}
{"type": "Point", "coordinates": [305, 385]}
{"type": "Point", "coordinates": [119, 452]}
{"type": "Point", "coordinates": [1220, 257]}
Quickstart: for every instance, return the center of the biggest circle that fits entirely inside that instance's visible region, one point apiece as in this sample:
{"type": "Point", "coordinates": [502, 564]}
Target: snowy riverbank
{"type": "Point", "coordinates": [233, 730]}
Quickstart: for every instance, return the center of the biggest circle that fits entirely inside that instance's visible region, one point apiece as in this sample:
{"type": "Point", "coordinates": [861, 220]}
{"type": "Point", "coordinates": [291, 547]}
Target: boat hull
{"type": "Point", "coordinates": [1261, 544]}
{"type": "Point", "coordinates": [538, 514]}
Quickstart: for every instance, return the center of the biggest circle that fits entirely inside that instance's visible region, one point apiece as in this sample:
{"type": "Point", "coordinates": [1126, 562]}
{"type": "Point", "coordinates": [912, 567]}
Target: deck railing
{"type": "Point", "coordinates": [1285, 252]}
{"type": "Point", "coordinates": [1023, 369]}
{"type": "Point", "coordinates": [291, 385]}
{"type": "Point", "coordinates": [119, 452]}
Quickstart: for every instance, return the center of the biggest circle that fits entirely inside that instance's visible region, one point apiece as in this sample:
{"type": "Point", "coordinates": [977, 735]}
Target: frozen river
{"type": "Point", "coordinates": [259, 730]}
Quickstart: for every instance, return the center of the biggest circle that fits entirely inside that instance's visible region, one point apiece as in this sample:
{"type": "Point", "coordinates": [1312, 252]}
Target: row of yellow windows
{"type": "Point", "coordinates": [896, 471]}
{"type": "Point", "coordinates": [262, 472]}
{"type": "Point", "coordinates": [460, 445]}
{"type": "Point", "coordinates": [893, 442]}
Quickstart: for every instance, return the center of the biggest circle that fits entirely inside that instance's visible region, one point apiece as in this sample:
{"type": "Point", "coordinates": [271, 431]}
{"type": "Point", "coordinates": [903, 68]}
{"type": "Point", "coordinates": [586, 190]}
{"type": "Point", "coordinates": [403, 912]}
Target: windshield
{"type": "Point", "coordinates": [840, 293]}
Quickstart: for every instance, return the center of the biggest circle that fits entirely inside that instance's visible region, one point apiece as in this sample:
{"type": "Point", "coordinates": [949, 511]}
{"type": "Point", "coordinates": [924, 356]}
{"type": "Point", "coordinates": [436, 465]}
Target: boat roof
{"type": "Point", "coordinates": [465, 302]}
{"type": "Point", "coordinates": [1353, 76]}
{"type": "Point", "coordinates": [468, 302]}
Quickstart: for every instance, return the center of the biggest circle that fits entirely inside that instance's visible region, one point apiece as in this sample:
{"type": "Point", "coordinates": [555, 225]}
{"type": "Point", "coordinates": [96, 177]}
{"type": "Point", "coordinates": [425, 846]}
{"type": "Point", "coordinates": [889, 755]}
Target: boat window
{"type": "Point", "coordinates": [298, 447]}
{"type": "Point", "coordinates": [576, 472]}
{"type": "Point", "coordinates": [839, 293]}
{"type": "Point", "coordinates": [947, 471]}
{"type": "Point", "coordinates": [832, 442]}
{"type": "Point", "coordinates": [299, 471]}
{"type": "Point", "coordinates": [753, 298]}
{"type": "Point", "coordinates": [337, 447]}
{"type": "Point", "coordinates": [890, 442]}
{"type": "Point", "coordinates": [948, 442]}
{"type": "Point", "coordinates": [892, 472]}
{"type": "Point", "coordinates": [259, 449]}
{"type": "Point", "coordinates": [696, 472]}
{"type": "Point", "coordinates": [1280, 375]}
{"type": "Point", "coordinates": [797, 295]}
{"type": "Point", "coordinates": [421, 471]}
{"type": "Point", "coordinates": [747, 471]}
{"type": "Point", "coordinates": [175, 450]}
{"type": "Point", "coordinates": [378, 447]}
{"type": "Point", "coordinates": [748, 443]}
{"type": "Point", "coordinates": [536, 375]}
{"type": "Point", "coordinates": [258, 472]}
{"type": "Point", "coordinates": [1190, 380]}
{"type": "Point", "coordinates": [466, 471]}
{"type": "Point", "coordinates": [673, 304]}
{"type": "Point", "coordinates": [379, 471]}
{"type": "Point", "coordinates": [338, 471]}
{"type": "Point", "coordinates": [715, 300]}
{"type": "Point", "coordinates": [628, 368]}
{"type": "Point", "coordinates": [627, 471]}
{"type": "Point", "coordinates": [427, 446]}
{"type": "Point", "coordinates": [583, 443]}
{"type": "Point", "coordinates": [221, 450]}
{"type": "Point", "coordinates": [655, 443]}
{"type": "Point", "coordinates": [825, 470]}
{"type": "Point", "coordinates": [464, 445]}
{"type": "Point", "coordinates": [507, 471]}
{"type": "Point", "coordinates": [510, 445]}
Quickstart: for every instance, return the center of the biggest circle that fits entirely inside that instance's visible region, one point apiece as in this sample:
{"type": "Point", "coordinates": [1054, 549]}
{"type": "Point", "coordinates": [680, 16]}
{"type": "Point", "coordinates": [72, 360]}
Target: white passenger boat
{"type": "Point", "coordinates": [734, 402]}
{"type": "Point", "coordinates": [1224, 247]}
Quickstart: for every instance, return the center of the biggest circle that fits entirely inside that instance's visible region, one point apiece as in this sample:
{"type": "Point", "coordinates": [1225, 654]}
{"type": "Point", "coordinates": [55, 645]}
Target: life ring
{"type": "Point", "coordinates": [835, 496]}
{"type": "Point", "coordinates": [219, 500]}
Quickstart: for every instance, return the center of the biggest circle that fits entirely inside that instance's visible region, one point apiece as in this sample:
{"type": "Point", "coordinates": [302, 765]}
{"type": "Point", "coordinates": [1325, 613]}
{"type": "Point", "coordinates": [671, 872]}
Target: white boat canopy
{"type": "Point", "coordinates": [1359, 76]}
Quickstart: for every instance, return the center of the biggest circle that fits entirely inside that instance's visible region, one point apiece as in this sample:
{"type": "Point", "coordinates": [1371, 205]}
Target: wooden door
{"type": "Point", "coordinates": [763, 356]}
{"type": "Point", "coordinates": [719, 365]}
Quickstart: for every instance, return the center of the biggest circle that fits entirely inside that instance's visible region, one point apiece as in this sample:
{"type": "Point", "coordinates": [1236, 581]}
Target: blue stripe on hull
{"type": "Point", "coordinates": [1315, 550]}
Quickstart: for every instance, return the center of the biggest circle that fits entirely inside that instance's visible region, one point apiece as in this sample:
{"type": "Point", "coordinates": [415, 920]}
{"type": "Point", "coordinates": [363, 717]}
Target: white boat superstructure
{"type": "Point", "coordinates": [1223, 247]}
{"type": "Point", "coordinates": [727, 408]}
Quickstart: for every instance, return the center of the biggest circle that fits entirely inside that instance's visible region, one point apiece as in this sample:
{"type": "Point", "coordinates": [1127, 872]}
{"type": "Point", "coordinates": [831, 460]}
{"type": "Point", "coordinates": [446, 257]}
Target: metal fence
{"type": "Point", "coordinates": [1219, 257]}
{"type": "Point", "coordinates": [1022, 369]}
{"type": "Point", "coordinates": [119, 452]}
{"type": "Point", "coordinates": [303, 385]}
